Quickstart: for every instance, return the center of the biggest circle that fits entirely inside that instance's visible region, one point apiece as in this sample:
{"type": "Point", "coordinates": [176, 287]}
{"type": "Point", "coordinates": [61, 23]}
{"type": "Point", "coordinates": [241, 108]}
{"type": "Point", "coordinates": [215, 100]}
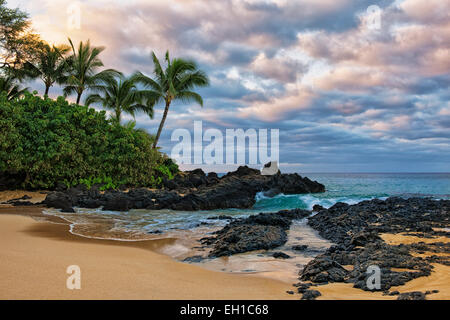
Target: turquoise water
{"type": "Point", "coordinates": [340, 187]}
{"type": "Point", "coordinates": [188, 227]}
{"type": "Point", "coordinates": [355, 187]}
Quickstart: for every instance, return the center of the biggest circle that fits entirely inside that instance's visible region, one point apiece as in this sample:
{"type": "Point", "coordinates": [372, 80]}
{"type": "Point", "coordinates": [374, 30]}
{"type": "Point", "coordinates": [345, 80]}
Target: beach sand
{"type": "Point", "coordinates": [34, 257]}
{"type": "Point", "coordinates": [36, 196]}
{"type": "Point", "coordinates": [438, 280]}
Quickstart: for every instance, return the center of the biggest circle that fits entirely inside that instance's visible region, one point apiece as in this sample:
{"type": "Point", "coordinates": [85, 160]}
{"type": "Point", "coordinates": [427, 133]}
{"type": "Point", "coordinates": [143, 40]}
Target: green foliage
{"type": "Point", "coordinates": [106, 183]}
{"type": "Point", "coordinates": [167, 169]}
{"type": "Point", "coordinates": [171, 165]}
{"type": "Point", "coordinates": [174, 82]}
{"type": "Point", "coordinates": [164, 171]}
{"type": "Point", "coordinates": [18, 43]}
{"type": "Point", "coordinates": [52, 141]}
{"type": "Point", "coordinates": [121, 94]}
{"type": "Point", "coordinates": [84, 64]}
{"type": "Point", "coordinates": [155, 182]}
{"type": "Point", "coordinates": [50, 66]}
{"type": "Point", "coordinates": [10, 86]}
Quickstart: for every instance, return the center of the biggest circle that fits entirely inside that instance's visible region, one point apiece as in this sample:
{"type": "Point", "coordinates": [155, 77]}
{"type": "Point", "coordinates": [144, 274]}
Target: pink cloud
{"type": "Point", "coordinates": [277, 108]}
{"type": "Point", "coordinates": [350, 79]}
{"type": "Point", "coordinates": [430, 11]}
{"type": "Point", "coordinates": [277, 68]}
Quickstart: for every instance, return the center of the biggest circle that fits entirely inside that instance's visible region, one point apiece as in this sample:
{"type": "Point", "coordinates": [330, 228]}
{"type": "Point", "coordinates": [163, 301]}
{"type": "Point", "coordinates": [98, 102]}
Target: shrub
{"type": "Point", "coordinates": [48, 141]}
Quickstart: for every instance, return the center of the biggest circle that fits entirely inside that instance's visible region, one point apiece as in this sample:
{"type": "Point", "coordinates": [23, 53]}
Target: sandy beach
{"type": "Point", "coordinates": [34, 257]}
{"type": "Point", "coordinates": [36, 249]}
{"type": "Point", "coordinates": [438, 280]}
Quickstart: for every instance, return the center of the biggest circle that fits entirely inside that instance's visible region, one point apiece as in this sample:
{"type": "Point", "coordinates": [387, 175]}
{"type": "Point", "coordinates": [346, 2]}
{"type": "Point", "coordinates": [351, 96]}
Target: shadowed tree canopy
{"type": "Point", "coordinates": [50, 66]}
{"type": "Point", "coordinates": [18, 44]}
{"type": "Point", "coordinates": [11, 88]}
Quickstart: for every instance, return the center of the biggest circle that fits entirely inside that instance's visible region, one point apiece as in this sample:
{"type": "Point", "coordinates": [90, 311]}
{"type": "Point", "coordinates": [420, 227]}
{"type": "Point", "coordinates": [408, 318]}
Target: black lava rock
{"type": "Point", "coordinates": [355, 230]}
{"type": "Point", "coordinates": [194, 259]}
{"type": "Point", "coordinates": [281, 255]}
{"type": "Point", "coordinates": [317, 208]}
{"type": "Point", "coordinates": [311, 294]}
{"type": "Point", "coordinates": [59, 200]}
{"type": "Point", "coordinates": [190, 190]}
{"type": "Point", "coordinates": [415, 295]}
{"type": "Point", "coordinates": [263, 231]}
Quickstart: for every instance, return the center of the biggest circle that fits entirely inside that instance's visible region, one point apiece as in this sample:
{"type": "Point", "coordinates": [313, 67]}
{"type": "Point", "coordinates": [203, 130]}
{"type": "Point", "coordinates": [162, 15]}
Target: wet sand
{"type": "Point", "coordinates": [36, 249]}
{"type": "Point", "coordinates": [34, 257]}
{"type": "Point", "coordinates": [36, 196]}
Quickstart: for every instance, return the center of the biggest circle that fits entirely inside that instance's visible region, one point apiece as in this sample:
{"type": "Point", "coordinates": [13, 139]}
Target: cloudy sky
{"type": "Point", "coordinates": [349, 92]}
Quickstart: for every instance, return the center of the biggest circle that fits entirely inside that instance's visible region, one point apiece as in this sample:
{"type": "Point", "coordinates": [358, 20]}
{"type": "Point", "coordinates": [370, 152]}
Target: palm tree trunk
{"type": "Point", "coordinates": [161, 124]}
{"type": "Point", "coordinates": [79, 97]}
{"type": "Point", "coordinates": [47, 87]}
{"type": "Point", "coordinates": [118, 115]}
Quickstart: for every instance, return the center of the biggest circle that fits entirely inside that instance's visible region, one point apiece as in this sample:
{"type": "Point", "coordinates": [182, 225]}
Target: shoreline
{"type": "Point", "coordinates": [31, 242]}
{"type": "Point", "coordinates": [35, 256]}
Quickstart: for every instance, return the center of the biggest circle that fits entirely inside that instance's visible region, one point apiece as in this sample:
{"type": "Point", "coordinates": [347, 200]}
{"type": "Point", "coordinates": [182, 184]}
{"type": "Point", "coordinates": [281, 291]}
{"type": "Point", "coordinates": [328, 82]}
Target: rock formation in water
{"type": "Point", "coordinates": [191, 190]}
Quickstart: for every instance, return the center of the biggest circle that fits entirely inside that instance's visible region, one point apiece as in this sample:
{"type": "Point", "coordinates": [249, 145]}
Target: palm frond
{"type": "Point", "coordinates": [158, 70]}
{"type": "Point", "coordinates": [93, 98]}
{"type": "Point", "coordinates": [191, 80]}
{"type": "Point", "coordinates": [84, 63]}
{"type": "Point", "coordinates": [121, 95]}
{"type": "Point", "coordinates": [140, 78]}
{"type": "Point", "coordinates": [190, 96]}
{"type": "Point", "coordinates": [11, 88]}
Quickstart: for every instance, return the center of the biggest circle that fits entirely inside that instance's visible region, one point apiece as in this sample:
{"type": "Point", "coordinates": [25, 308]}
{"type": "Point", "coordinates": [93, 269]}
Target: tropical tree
{"type": "Point", "coordinates": [18, 42]}
{"type": "Point", "coordinates": [176, 82]}
{"type": "Point", "coordinates": [50, 66]}
{"type": "Point", "coordinates": [121, 95]}
{"type": "Point", "coordinates": [84, 63]}
{"type": "Point", "coordinates": [12, 89]}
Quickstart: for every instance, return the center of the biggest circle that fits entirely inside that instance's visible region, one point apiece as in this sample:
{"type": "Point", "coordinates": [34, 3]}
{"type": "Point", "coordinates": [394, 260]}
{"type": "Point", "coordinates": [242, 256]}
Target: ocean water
{"type": "Point", "coordinates": [350, 188]}
{"type": "Point", "coordinates": [188, 227]}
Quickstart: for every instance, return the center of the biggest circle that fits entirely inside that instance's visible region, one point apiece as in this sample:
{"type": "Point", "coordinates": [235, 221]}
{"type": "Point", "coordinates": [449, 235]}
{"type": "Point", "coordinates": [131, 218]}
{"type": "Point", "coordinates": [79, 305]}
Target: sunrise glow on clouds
{"type": "Point", "coordinates": [344, 96]}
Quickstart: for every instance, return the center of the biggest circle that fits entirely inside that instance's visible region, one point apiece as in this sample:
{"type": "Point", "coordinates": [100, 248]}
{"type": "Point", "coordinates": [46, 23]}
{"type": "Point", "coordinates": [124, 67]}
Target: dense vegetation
{"type": "Point", "coordinates": [47, 142]}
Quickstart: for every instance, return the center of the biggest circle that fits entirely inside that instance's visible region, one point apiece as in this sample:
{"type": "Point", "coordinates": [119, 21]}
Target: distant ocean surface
{"type": "Point", "coordinates": [350, 188]}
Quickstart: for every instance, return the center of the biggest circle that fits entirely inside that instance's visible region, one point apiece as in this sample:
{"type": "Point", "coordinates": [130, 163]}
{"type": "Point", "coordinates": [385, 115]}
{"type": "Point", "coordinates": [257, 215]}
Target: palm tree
{"type": "Point", "coordinates": [12, 89]}
{"type": "Point", "coordinates": [51, 65]}
{"type": "Point", "coordinates": [122, 96]}
{"type": "Point", "coordinates": [176, 82]}
{"type": "Point", "coordinates": [84, 63]}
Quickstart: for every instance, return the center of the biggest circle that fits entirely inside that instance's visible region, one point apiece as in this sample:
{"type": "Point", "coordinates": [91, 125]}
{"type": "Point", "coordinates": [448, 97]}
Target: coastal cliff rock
{"type": "Point", "coordinates": [191, 190]}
